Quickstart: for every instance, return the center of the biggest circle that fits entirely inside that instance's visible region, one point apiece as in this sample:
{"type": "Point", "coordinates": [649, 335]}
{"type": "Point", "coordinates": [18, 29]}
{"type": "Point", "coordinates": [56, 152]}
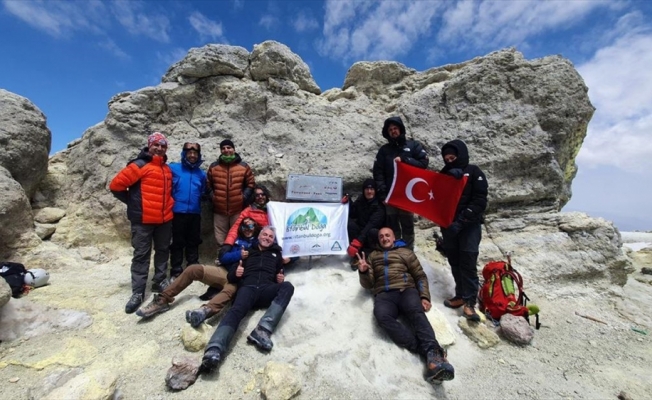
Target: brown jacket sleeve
{"type": "Point", "coordinates": [419, 276]}
{"type": "Point", "coordinates": [367, 279]}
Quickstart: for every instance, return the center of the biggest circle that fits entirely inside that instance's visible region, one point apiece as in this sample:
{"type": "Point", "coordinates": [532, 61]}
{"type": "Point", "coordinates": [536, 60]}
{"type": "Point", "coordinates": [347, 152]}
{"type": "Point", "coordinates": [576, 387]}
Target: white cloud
{"type": "Point", "coordinates": [374, 30]}
{"type": "Point", "coordinates": [304, 22]}
{"type": "Point", "coordinates": [131, 16]}
{"type": "Point", "coordinates": [59, 18]}
{"type": "Point", "coordinates": [206, 27]}
{"type": "Point", "coordinates": [238, 4]}
{"type": "Point", "coordinates": [489, 24]}
{"type": "Point", "coordinates": [268, 21]}
{"type": "Point", "coordinates": [114, 49]}
{"type": "Point", "coordinates": [620, 87]}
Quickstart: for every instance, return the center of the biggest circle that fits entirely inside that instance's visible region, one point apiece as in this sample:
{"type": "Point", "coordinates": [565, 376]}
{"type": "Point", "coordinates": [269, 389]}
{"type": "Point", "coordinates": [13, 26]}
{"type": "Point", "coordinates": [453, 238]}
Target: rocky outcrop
{"type": "Point", "coordinates": [523, 120]}
{"type": "Point", "coordinates": [16, 225]}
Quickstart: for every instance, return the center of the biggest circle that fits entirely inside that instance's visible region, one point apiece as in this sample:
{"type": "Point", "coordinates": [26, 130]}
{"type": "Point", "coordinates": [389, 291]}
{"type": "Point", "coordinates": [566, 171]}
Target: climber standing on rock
{"type": "Point", "coordinates": [145, 185]}
{"type": "Point", "coordinates": [461, 240]}
{"type": "Point", "coordinates": [231, 182]}
{"type": "Point", "coordinates": [397, 149]}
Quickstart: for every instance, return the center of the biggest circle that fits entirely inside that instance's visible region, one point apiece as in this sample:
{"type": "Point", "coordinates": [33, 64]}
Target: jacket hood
{"type": "Point", "coordinates": [462, 160]}
{"type": "Point", "coordinates": [187, 163]}
{"type": "Point", "coordinates": [396, 121]}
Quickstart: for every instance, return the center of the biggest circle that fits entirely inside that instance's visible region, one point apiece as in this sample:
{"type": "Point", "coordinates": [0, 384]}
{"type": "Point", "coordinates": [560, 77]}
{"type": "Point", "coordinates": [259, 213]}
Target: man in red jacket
{"type": "Point", "coordinates": [145, 185]}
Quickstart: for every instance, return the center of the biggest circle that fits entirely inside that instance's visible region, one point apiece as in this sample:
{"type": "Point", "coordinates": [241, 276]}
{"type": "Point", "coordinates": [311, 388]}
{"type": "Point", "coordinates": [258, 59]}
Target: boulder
{"type": "Point", "coordinates": [24, 141]}
{"type": "Point", "coordinates": [195, 339]}
{"type": "Point", "coordinates": [15, 213]}
{"type": "Point", "coordinates": [479, 333]}
{"type": "Point", "coordinates": [209, 60]}
{"type": "Point", "coordinates": [516, 329]}
{"type": "Point", "coordinates": [272, 59]}
{"type": "Point", "coordinates": [5, 292]}
{"type": "Point", "coordinates": [280, 381]}
{"type": "Point", "coordinates": [92, 385]}
{"type": "Point", "coordinates": [183, 373]}
{"type": "Point", "coordinates": [44, 231]}
{"type": "Point", "coordinates": [49, 215]}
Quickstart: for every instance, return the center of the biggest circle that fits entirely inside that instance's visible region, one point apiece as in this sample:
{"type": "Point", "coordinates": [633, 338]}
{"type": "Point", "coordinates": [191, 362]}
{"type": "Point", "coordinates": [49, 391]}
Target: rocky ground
{"type": "Point", "coordinates": [72, 339]}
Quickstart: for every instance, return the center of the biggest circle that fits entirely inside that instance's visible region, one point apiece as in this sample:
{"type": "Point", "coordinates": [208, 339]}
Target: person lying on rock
{"type": "Point", "coordinates": [261, 283]}
{"type": "Point", "coordinates": [400, 287]}
{"type": "Point", "coordinates": [214, 277]}
{"type": "Point", "coordinates": [145, 185]}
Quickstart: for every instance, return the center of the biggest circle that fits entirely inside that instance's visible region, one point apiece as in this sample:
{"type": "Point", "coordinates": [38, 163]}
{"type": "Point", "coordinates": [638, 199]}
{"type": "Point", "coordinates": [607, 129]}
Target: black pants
{"type": "Point", "coordinates": [402, 223]}
{"type": "Point", "coordinates": [462, 253]}
{"type": "Point", "coordinates": [370, 240]}
{"type": "Point", "coordinates": [389, 305]}
{"type": "Point", "coordinates": [253, 297]}
{"type": "Point", "coordinates": [142, 236]}
{"type": "Point", "coordinates": [186, 234]}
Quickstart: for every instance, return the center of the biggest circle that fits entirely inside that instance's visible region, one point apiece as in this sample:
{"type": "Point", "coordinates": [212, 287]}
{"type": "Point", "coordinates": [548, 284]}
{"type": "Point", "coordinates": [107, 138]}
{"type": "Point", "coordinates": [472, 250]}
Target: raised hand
{"type": "Point", "coordinates": [362, 262]}
{"type": "Point", "coordinates": [280, 277]}
{"type": "Point", "coordinates": [240, 270]}
{"type": "Point", "coordinates": [244, 253]}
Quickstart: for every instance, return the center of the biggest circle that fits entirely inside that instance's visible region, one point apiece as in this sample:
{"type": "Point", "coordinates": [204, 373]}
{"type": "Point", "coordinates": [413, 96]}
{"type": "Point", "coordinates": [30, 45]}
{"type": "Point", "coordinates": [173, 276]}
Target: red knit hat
{"type": "Point", "coordinates": [156, 137]}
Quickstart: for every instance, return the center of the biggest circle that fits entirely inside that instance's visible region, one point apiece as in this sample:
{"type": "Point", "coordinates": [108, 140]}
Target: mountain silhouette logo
{"type": "Point", "coordinates": [307, 219]}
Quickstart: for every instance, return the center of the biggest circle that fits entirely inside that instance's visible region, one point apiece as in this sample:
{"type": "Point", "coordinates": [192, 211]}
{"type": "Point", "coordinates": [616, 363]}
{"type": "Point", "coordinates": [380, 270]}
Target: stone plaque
{"type": "Point", "coordinates": [314, 188]}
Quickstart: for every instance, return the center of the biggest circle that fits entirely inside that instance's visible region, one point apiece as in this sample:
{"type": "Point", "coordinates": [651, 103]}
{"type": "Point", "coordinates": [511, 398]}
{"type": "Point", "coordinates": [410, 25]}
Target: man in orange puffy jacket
{"type": "Point", "coordinates": [145, 185]}
{"type": "Point", "coordinates": [231, 182]}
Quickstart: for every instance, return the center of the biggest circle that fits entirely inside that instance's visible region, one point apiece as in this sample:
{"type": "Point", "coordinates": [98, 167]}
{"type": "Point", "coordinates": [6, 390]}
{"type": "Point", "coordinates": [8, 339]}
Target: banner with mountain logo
{"type": "Point", "coordinates": [309, 229]}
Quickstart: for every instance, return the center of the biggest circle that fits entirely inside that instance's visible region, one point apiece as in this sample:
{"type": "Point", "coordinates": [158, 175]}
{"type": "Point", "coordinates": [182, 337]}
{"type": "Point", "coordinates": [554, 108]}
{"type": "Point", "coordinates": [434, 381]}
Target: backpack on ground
{"type": "Point", "coordinates": [14, 274]}
{"type": "Point", "coordinates": [502, 292]}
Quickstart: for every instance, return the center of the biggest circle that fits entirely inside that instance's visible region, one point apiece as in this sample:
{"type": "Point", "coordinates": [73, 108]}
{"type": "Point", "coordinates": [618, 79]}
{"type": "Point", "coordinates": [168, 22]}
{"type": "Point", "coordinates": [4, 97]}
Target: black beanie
{"type": "Point", "coordinates": [226, 142]}
{"type": "Point", "coordinates": [449, 150]}
{"type": "Point", "coordinates": [368, 183]}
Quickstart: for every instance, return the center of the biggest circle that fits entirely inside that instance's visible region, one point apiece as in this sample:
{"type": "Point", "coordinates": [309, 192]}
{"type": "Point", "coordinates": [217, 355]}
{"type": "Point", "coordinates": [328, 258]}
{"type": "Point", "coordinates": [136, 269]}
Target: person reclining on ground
{"type": "Point", "coordinates": [261, 283]}
{"type": "Point", "coordinates": [215, 277]}
{"type": "Point", "coordinates": [400, 287]}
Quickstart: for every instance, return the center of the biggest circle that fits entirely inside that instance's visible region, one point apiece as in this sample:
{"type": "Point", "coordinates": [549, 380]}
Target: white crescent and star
{"type": "Point", "coordinates": [410, 186]}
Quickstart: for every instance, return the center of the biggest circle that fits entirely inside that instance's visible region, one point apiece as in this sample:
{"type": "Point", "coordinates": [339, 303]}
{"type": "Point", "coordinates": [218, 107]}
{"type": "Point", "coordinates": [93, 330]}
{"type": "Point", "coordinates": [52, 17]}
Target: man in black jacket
{"type": "Point", "coordinates": [366, 216]}
{"type": "Point", "coordinates": [261, 283]}
{"type": "Point", "coordinates": [398, 149]}
{"type": "Point", "coordinates": [462, 237]}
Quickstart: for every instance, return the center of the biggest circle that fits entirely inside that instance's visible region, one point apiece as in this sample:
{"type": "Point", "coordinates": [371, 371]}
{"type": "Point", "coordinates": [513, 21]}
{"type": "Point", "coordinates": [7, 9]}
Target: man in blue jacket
{"type": "Point", "coordinates": [188, 188]}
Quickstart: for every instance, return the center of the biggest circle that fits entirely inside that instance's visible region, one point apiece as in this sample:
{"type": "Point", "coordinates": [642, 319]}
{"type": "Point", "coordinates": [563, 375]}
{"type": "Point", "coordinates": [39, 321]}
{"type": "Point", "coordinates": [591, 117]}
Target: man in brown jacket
{"type": "Point", "coordinates": [400, 287]}
{"type": "Point", "coordinates": [232, 183]}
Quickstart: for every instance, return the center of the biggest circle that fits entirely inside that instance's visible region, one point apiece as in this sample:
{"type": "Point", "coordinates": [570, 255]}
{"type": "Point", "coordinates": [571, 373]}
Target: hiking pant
{"type": "Point", "coordinates": [370, 241]}
{"type": "Point", "coordinates": [186, 235]}
{"type": "Point", "coordinates": [251, 297]}
{"type": "Point", "coordinates": [208, 275]}
{"type": "Point", "coordinates": [389, 305]}
{"type": "Point", "coordinates": [142, 236]}
{"type": "Point", "coordinates": [462, 253]}
{"type": "Point", "coordinates": [402, 223]}
{"type": "Point", "coordinates": [221, 226]}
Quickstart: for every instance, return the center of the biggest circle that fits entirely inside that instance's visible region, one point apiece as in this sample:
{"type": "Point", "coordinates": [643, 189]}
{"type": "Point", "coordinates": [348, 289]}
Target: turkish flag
{"type": "Point", "coordinates": [430, 194]}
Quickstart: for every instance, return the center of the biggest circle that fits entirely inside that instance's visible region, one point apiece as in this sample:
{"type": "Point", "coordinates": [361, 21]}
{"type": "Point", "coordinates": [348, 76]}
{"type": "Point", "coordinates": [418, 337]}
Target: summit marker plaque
{"type": "Point", "coordinates": [314, 188]}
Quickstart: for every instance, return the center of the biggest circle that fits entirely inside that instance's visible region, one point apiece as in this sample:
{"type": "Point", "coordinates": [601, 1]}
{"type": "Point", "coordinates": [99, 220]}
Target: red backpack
{"type": "Point", "coordinates": [502, 292]}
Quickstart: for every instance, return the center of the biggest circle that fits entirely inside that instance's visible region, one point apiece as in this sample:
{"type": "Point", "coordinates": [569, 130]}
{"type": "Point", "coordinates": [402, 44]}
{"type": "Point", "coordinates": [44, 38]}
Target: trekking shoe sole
{"type": "Point", "coordinates": [148, 315]}
{"type": "Point", "coordinates": [473, 317]}
{"type": "Point", "coordinates": [441, 376]}
{"type": "Point", "coordinates": [258, 344]}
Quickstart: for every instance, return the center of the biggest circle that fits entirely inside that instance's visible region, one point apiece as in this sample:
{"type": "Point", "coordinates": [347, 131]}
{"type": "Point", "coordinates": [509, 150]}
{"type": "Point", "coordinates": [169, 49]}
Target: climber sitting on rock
{"type": "Point", "coordinates": [215, 277]}
{"type": "Point", "coordinates": [261, 283]}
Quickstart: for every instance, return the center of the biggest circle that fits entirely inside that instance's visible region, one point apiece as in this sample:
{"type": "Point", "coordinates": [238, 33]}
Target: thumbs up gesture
{"type": "Point", "coordinates": [239, 271]}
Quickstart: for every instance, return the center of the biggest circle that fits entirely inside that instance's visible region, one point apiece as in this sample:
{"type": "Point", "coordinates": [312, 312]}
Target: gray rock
{"type": "Point", "coordinates": [272, 59]}
{"type": "Point", "coordinates": [44, 231]}
{"type": "Point", "coordinates": [93, 385]}
{"type": "Point", "coordinates": [53, 381]}
{"type": "Point", "coordinates": [24, 141]}
{"type": "Point", "coordinates": [15, 214]}
{"type": "Point", "coordinates": [376, 78]}
{"type": "Point", "coordinates": [478, 333]}
{"type": "Point", "coordinates": [280, 381]}
{"type": "Point", "coordinates": [91, 253]}
{"type": "Point", "coordinates": [182, 373]}
{"type": "Point", "coordinates": [5, 292]}
{"type": "Point", "coordinates": [209, 60]}
{"type": "Point", "coordinates": [49, 215]}
{"type": "Point", "coordinates": [516, 329]}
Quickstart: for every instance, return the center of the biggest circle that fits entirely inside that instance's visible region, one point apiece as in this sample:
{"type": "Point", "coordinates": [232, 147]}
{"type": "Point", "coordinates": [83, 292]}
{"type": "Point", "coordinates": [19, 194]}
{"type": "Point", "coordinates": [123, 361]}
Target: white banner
{"type": "Point", "coordinates": [308, 229]}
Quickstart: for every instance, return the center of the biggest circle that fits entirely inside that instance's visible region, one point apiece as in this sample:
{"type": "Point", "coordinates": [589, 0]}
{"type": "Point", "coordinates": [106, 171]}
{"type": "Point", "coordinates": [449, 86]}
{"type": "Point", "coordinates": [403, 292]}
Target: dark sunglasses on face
{"type": "Point", "coordinates": [260, 194]}
{"type": "Point", "coordinates": [191, 146]}
{"type": "Point", "coordinates": [249, 226]}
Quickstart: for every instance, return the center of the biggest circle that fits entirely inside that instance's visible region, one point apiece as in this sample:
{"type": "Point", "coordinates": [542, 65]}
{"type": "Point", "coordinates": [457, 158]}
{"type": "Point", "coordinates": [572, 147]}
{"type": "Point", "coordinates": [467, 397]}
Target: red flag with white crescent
{"type": "Point", "coordinates": [431, 194]}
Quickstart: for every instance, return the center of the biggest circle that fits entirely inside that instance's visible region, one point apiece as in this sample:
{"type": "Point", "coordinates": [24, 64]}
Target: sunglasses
{"type": "Point", "coordinates": [260, 194]}
{"type": "Point", "coordinates": [191, 146]}
{"type": "Point", "coordinates": [249, 226]}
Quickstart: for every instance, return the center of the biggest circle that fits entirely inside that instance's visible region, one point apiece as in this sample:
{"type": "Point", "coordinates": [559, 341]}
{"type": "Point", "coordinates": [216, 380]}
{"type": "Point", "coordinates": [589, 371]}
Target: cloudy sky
{"type": "Point", "coordinates": [71, 57]}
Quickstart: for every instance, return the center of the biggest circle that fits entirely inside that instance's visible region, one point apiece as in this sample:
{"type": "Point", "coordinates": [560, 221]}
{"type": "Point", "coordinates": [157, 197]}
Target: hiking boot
{"type": "Point", "coordinates": [260, 338]}
{"type": "Point", "coordinates": [469, 313]}
{"type": "Point", "coordinates": [211, 359]}
{"type": "Point", "coordinates": [156, 306]}
{"type": "Point", "coordinates": [159, 287]}
{"type": "Point", "coordinates": [134, 302]}
{"type": "Point", "coordinates": [196, 317]}
{"type": "Point", "coordinates": [438, 369]}
{"type": "Point", "coordinates": [455, 302]}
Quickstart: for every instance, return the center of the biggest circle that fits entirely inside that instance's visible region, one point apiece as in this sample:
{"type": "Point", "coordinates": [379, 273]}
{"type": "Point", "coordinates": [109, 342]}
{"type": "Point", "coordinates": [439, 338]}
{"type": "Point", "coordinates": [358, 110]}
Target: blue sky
{"type": "Point", "coordinates": [71, 57]}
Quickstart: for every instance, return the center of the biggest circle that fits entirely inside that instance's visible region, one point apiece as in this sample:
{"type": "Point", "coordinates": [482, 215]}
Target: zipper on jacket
{"type": "Point", "coordinates": [386, 268]}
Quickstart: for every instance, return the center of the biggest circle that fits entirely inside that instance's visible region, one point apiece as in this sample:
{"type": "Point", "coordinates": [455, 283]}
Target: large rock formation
{"type": "Point", "coordinates": [523, 120]}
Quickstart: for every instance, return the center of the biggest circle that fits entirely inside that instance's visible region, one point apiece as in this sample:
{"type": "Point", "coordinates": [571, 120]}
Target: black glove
{"type": "Point", "coordinates": [457, 173]}
{"type": "Point", "coordinates": [454, 228]}
{"type": "Point", "coordinates": [467, 215]}
{"type": "Point", "coordinates": [224, 249]}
